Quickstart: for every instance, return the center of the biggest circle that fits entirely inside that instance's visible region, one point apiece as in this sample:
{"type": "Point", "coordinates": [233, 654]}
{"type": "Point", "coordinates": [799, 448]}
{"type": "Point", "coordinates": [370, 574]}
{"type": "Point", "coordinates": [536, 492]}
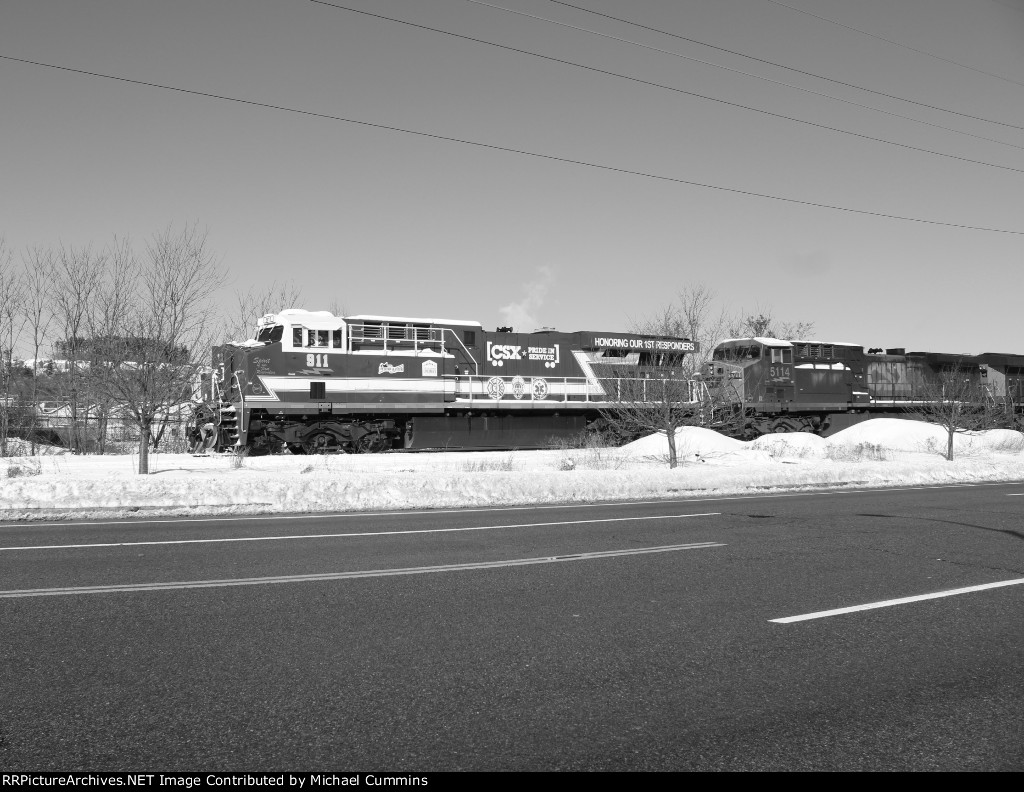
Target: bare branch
{"type": "Point", "coordinates": [258, 301]}
{"type": "Point", "coordinates": [956, 399]}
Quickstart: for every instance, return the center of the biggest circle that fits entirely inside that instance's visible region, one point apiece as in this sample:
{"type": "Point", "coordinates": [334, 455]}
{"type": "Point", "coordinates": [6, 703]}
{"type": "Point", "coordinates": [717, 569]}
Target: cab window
{"type": "Point", "coordinates": [270, 335]}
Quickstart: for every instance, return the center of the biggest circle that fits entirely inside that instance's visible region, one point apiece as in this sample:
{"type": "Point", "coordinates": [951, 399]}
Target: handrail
{"type": "Point", "coordinates": [241, 403]}
{"type": "Point", "coordinates": [427, 336]}
{"type": "Point", "coordinates": [561, 390]}
{"type": "Point", "coordinates": [476, 366]}
{"type": "Point", "coordinates": [357, 334]}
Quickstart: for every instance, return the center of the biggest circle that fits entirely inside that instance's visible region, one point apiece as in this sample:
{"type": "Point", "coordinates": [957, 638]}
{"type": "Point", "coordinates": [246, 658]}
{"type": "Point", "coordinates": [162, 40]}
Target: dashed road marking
{"type": "Point", "coordinates": [371, 573]}
{"type": "Point", "coordinates": [354, 534]}
{"type": "Point", "coordinates": [900, 601]}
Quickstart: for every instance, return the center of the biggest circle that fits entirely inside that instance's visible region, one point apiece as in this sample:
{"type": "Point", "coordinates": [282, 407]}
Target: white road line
{"type": "Point", "coordinates": [597, 505]}
{"type": "Point", "coordinates": [1015, 494]}
{"type": "Point", "coordinates": [371, 573]}
{"type": "Point", "coordinates": [354, 534]}
{"type": "Point", "coordinates": [901, 601]}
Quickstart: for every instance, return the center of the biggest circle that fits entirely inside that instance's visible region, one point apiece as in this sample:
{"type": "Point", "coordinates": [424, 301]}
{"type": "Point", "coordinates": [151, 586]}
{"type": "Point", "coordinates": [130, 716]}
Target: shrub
{"type": "Point", "coordinates": [872, 452]}
{"type": "Point", "coordinates": [24, 466]}
{"type": "Point", "coordinates": [588, 451]}
{"type": "Point", "coordinates": [488, 465]}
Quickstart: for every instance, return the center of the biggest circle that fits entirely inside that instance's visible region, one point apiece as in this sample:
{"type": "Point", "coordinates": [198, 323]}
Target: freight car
{"type": "Point", "coordinates": [313, 382]}
{"type": "Point", "coordinates": [771, 385]}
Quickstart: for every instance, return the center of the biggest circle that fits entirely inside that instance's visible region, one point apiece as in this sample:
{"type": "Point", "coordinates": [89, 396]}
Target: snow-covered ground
{"type": "Point", "coordinates": [876, 453]}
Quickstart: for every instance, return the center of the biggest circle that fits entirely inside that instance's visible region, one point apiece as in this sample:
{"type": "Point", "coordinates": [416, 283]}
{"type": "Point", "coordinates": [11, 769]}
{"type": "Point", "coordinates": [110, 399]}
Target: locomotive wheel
{"type": "Point", "coordinates": [372, 443]}
{"type": "Point", "coordinates": [321, 443]}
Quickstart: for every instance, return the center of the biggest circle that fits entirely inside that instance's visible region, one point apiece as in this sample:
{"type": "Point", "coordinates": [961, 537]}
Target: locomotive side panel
{"type": "Point", "coordinates": [830, 376]}
{"type": "Point", "coordinates": [1005, 376]}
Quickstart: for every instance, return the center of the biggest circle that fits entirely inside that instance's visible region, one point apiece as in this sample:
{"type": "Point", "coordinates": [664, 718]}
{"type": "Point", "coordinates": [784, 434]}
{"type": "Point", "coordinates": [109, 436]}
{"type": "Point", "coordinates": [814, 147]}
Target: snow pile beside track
{"type": "Point", "coordinates": [711, 465]}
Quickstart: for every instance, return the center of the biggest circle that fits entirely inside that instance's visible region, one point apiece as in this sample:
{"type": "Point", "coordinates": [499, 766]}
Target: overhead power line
{"type": "Point", "coordinates": [509, 150]}
{"type": "Point", "coordinates": [769, 63]}
{"type": "Point", "coordinates": [896, 43]}
{"type": "Point", "coordinates": [664, 87]}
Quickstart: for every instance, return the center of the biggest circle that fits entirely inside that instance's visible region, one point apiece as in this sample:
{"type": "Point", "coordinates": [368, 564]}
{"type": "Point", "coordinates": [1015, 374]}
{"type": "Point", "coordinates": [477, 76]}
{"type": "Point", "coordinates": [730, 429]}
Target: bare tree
{"type": "Point", "coordinates": [257, 301]}
{"type": "Point", "coordinates": [37, 274]}
{"type": "Point", "coordinates": [698, 315]}
{"type": "Point", "coordinates": [113, 300]}
{"type": "Point", "coordinates": [956, 400]}
{"type": "Point", "coordinates": [76, 277]}
{"type": "Point", "coordinates": [12, 295]}
{"type": "Point", "coordinates": [147, 354]}
{"type": "Point", "coordinates": [645, 402]}
{"type": "Point", "coordinates": [763, 324]}
{"type": "Point", "coordinates": [695, 315]}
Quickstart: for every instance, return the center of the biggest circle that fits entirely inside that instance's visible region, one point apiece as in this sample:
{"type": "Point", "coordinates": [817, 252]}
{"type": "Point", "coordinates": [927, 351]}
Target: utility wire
{"type": "Point", "coordinates": [897, 43]}
{"type": "Point", "coordinates": [509, 150]}
{"type": "Point", "coordinates": [674, 90]}
{"type": "Point", "coordinates": [739, 71]}
{"type": "Point", "coordinates": [769, 63]}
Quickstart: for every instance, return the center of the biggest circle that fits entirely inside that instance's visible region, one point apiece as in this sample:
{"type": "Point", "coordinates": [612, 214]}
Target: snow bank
{"type": "Point", "coordinates": [690, 441]}
{"type": "Point", "coordinates": [896, 434]}
{"type": "Point", "coordinates": [64, 486]}
{"type": "Point", "coordinates": [800, 445]}
{"type": "Point", "coordinates": [1002, 440]}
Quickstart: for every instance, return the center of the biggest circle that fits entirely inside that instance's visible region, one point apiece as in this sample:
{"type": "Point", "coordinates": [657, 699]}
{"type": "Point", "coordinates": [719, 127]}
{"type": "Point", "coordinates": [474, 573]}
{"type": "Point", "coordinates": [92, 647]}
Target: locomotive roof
{"type": "Point", "coordinates": [758, 339]}
{"type": "Point", "coordinates": [412, 320]}
{"type": "Point", "coordinates": [1002, 358]}
{"type": "Point", "coordinates": [778, 342]}
{"type": "Point", "coordinates": [325, 319]}
{"type": "Point", "coordinates": [316, 319]}
{"type": "Point", "coordinates": [832, 343]}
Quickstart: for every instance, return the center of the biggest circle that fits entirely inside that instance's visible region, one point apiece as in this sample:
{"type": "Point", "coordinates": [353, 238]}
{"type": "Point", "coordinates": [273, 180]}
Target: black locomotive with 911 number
{"type": "Point", "coordinates": [313, 382]}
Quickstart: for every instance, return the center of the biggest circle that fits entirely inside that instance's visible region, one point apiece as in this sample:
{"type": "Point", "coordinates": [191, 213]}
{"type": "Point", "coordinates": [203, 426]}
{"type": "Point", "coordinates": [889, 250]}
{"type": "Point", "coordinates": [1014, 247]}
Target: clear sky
{"type": "Point", "coordinates": [381, 221]}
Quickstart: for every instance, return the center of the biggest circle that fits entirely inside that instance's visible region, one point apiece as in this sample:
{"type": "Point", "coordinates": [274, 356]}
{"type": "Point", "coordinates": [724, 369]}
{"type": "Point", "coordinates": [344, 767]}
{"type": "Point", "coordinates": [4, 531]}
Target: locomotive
{"type": "Point", "coordinates": [313, 382]}
{"type": "Point", "coordinates": [772, 385]}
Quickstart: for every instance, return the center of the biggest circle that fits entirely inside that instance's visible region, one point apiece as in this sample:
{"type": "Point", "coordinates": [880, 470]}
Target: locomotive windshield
{"type": "Point", "coordinates": [270, 335]}
{"type": "Point", "coordinates": [737, 353]}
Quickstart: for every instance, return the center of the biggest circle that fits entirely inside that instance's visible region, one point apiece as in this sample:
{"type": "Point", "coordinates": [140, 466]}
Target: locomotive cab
{"type": "Point", "coordinates": [787, 386]}
{"type": "Point", "coordinates": [756, 369]}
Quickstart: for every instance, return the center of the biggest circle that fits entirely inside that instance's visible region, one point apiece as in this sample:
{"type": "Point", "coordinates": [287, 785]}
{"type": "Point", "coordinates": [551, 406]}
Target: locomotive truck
{"type": "Point", "coordinates": [774, 385]}
{"type": "Point", "coordinates": [313, 382]}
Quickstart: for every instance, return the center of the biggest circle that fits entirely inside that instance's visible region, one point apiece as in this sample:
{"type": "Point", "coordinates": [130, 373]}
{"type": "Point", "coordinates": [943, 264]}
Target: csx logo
{"type": "Point", "coordinates": [499, 353]}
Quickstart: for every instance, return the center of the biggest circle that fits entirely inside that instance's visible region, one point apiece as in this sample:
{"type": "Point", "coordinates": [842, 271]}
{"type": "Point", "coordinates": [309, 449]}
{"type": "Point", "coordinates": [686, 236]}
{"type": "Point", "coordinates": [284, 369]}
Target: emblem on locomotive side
{"type": "Point", "coordinates": [495, 387]}
{"type": "Point", "coordinates": [387, 368]}
{"type": "Point", "coordinates": [540, 388]}
{"type": "Point", "coordinates": [547, 354]}
{"type": "Point", "coordinates": [518, 387]}
{"type": "Point", "coordinates": [499, 353]}
{"type": "Point", "coordinates": [429, 368]}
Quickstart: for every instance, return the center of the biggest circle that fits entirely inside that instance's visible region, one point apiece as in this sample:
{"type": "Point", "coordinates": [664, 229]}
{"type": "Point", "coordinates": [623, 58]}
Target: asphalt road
{"type": "Point", "coordinates": [637, 636]}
